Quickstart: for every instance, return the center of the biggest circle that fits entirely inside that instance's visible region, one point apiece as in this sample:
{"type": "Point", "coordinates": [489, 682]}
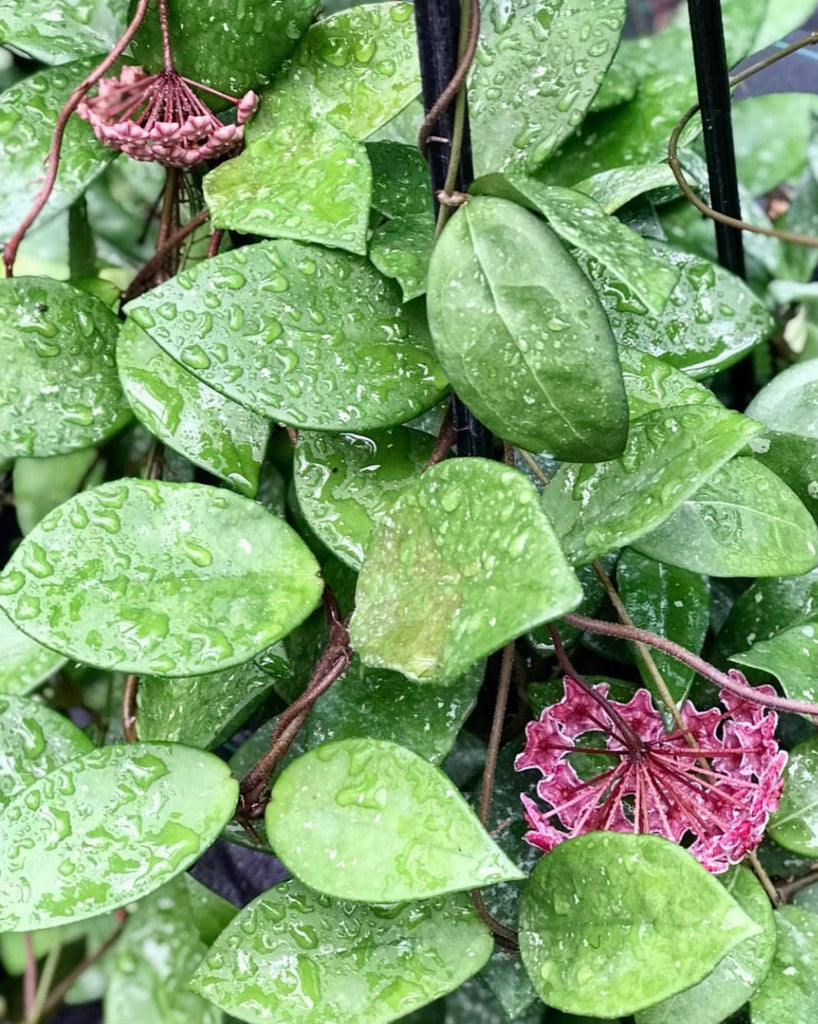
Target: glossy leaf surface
{"type": "Point", "coordinates": [24, 663]}
{"type": "Point", "coordinates": [789, 403]}
{"type": "Point", "coordinates": [40, 485]}
{"type": "Point", "coordinates": [463, 562]}
{"type": "Point", "coordinates": [795, 824]}
{"type": "Point", "coordinates": [787, 656]}
{"type": "Point", "coordinates": [789, 991]}
{"type": "Point", "coordinates": [614, 188]}
{"type": "Point", "coordinates": [170, 579]}
{"type": "Point", "coordinates": [400, 180]}
{"type": "Point", "coordinates": [402, 249]}
{"type": "Point", "coordinates": [56, 31]}
{"type": "Point", "coordinates": [374, 822]}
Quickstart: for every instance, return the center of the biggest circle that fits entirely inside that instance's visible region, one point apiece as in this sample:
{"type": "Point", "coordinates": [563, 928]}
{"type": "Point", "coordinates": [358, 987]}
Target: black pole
{"type": "Point", "coordinates": [438, 27]}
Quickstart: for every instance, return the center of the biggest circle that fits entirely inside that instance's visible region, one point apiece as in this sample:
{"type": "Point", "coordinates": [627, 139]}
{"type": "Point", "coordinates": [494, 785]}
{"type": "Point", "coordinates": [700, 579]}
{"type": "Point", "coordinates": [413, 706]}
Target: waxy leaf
{"type": "Point", "coordinates": [107, 828]}
{"type": "Point", "coordinates": [670, 453]}
{"type": "Point", "coordinates": [614, 188]}
{"type": "Point", "coordinates": [59, 390]}
{"type": "Point", "coordinates": [538, 66]}
{"type": "Point", "coordinates": [34, 740]}
{"type": "Point", "coordinates": [305, 180]}
{"type": "Point", "coordinates": [40, 485]}
{"type": "Point", "coordinates": [370, 821]}
{"type": "Point", "coordinates": [743, 521]}
{"type": "Point", "coordinates": [160, 578]}
{"type": "Point", "coordinates": [400, 180]}
{"type": "Point", "coordinates": [790, 990]}
{"type": "Point", "coordinates": [472, 1004]}
{"type": "Point", "coordinates": [55, 31]}
{"type": "Point", "coordinates": [210, 430]}
{"type": "Point", "coordinates": [771, 134]}
{"type": "Point", "coordinates": [652, 385]}
{"type": "Point", "coordinates": [24, 663]}
{"type": "Point", "coordinates": [521, 335]}
{"type": "Point", "coordinates": [298, 956]}
{"type": "Point", "coordinates": [312, 338]}
{"type": "Point", "coordinates": [795, 824]}
{"type": "Point", "coordinates": [402, 249]}
{"type": "Point", "coordinates": [789, 657]}
{"type": "Point", "coordinates": [463, 562]}
{"type": "Point", "coordinates": [346, 482]}
{"type": "Point", "coordinates": [613, 922]}
{"type": "Point", "coordinates": [789, 403]}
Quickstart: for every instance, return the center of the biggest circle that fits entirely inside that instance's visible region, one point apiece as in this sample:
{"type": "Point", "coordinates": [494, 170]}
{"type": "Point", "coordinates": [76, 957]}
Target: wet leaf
{"type": "Point", "coordinates": [60, 389]}
{"type": "Point", "coordinates": [795, 824]}
{"type": "Point", "coordinates": [538, 66]}
{"type": "Point", "coordinates": [35, 740]}
{"type": "Point", "coordinates": [790, 991]}
{"type": "Point", "coordinates": [795, 460]}
{"type": "Point", "coordinates": [309, 337]}
{"type": "Point", "coordinates": [371, 821]}
{"type": "Point", "coordinates": [400, 180]}
{"type": "Point", "coordinates": [345, 483]}
{"type": "Point", "coordinates": [788, 656]}
{"type": "Point", "coordinates": [735, 978]}
{"type": "Point", "coordinates": [652, 385]}
{"type": "Point", "coordinates": [208, 429]}
{"type": "Point", "coordinates": [40, 485]}
{"type": "Point", "coordinates": [463, 562]}
{"type": "Point", "coordinates": [789, 403]}
{"type": "Point", "coordinates": [614, 188]}
{"type": "Point", "coordinates": [670, 454]}
{"type": "Point", "coordinates": [505, 977]}
{"type": "Point", "coordinates": [771, 134]}
{"type": "Point", "coordinates": [170, 579]}
{"type": "Point", "coordinates": [24, 664]}
{"type": "Point", "coordinates": [108, 828]}
{"type": "Point", "coordinates": [473, 1004]}
{"type": "Point", "coordinates": [521, 335]}
{"type": "Point", "coordinates": [402, 249]}
{"type": "Point", "coordinates": [318, 961]}
{"type": "Point", "coordinates": [28, 111]}
{"type": "Point", "coordinates": [743, 521]}
{"type": "Point", "coordinates": [780, 20]}
{"type": "Point", "coordinates": [613, 922]}
{"type": "Point", "coordinates": [56, 31]}
{"type": "Point", "coordinates": [304, 180]}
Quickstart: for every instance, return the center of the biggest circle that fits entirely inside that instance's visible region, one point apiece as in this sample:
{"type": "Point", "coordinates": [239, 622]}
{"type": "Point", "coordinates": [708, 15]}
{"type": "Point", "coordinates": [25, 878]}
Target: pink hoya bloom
{"type": "Point", "coordinates": [718, 794]}
{"type": "Point", "coordinates": [159, 117]}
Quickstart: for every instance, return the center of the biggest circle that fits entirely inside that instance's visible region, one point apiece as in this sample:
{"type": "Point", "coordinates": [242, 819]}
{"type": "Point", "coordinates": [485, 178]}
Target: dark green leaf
{"type": "Point", "coordinates": [795, 460]}
{"type": "Point", "coordinates": [521, 335]}
{"type": "Point", "coordinates": [795, 824]}
{"type": "Point", "coordinates": [790, 991]}
{"type": "Point", "coordinates": [24, 663]}
{"type": "Point", "coordinates": [462, 563]}
{"type": "Point", "coordinates": [402, 249]}
{"type": "Point", "coordinates": [54, 31]}
{"type": "Point", "coordinates": [472, 1003]}
{"type": "Point", "coordinates": [505, 976]}
{"type": "Point", "coordinates": [40, 485]}
{"type": "Point", "coordinates": [400, 180]}
{"type": "Point", "coordinates": [653, 385]}
{"type": "Point", "coordinates": [371, 821]}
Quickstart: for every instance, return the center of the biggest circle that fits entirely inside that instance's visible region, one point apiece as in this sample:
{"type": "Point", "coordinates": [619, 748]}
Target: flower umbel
{"type": "Point", "coordinates": [719, 794]}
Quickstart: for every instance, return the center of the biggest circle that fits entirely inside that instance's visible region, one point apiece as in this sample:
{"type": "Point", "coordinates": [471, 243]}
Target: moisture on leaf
{"type": "Point", "coordinates": [24, 663]}
{"type": "Point", "coordinates": [787, 655]}
{"type": "Point", "coordinates": [402, 248]}
{"type": "Point", "coordinates": [40, 485]}
{"type": "Point", "coordinates": [795, 824]}
{"type": "Point", "coordinates": [790, 992]}
{"type": "Point", "coordinates": [56, 31]}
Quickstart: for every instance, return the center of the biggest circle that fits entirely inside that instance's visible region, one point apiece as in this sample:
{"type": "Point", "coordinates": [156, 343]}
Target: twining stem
{"type": "Point", "coordinates": [531, 462]}
{"type": "Point", "coordinates": [446, 438]}
{"type": "Point", "coordinates": [35, 1015]}
{"type": "Point", "coordinates": [167, 55]}
{"type": "Point", "coordinates": [147, 274]}
{"type": "Point", "coordinates": [786, 890]}
{"type": "Point", "coordinates": [29, 975]}
{"type": "Point", "coordinates": [758, 868]}
{"type": "Point", "coordinates": [59, 991]}
{"type": "Point", "coordinates": [129, 692]}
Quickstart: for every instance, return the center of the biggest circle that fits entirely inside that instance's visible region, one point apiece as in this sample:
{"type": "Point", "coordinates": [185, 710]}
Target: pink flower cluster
{"type": "Point", "coordinates": [159, 117]}
{"type": "Point", "coordinates": [716, 796]}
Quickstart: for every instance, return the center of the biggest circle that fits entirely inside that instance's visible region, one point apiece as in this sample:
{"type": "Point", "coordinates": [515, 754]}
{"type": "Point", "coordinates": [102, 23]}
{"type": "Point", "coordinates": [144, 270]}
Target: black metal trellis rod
{"type": "Point", "coordinates": [438, 27]}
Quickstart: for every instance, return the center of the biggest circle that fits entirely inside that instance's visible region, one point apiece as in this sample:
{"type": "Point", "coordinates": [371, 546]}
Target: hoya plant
{"type": "Point", "coordinates": [453, 549]}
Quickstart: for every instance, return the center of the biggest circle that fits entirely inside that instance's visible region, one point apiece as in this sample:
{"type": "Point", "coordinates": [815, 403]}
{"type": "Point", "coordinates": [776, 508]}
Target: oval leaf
{"type": "Point", "coordinates": [789, 403]}
{"type": "Point", "coordinates": [54, 31]}
{"type": "Point", "coordinates": [40, 485]}
{"type": "Point", "coordinates": [462, 563]}
{"type": "Point", "coordinates": [402, 249]}
{"type": "Point", "coordinates": [24, 663]}
{"type": "Point", "coordinates": [106, 829]}
{"type": "Point", "coordinates": [795, 824]}
{"type": "Point", "coordinates": [790, 991]}
{"type": "Point", "coordinates": [160, 578]}
{"type": "Point", "coordinates": [789, 657]}
{"type": "Point", "coordinates": [521, 335]}
{"type": "Point", "coordinates": [370, 821]}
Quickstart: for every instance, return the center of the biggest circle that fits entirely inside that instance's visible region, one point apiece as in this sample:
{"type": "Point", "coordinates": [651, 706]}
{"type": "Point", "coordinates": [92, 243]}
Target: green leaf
{"type": "Point", "coordinates": [735, 978]}
{"type": "Point", "coordinates": [400, 180]}
{"type": "Point", "coordinates": [711, 319]}
{"type": "Point", "coordinates": [794, 459]}
{"type": "Point", "coordinates": [789, 403]}
{"type": "Point", "coordinates": [505, 976]}
{"type": "Point", "coordinates": [795, 824]}
{"type": "Point", "coordinates": [345, 483]}
{"type": "Point", "coordinates": [402, 249]}
{"type": "Point", "coordinates": [743, 521]}
{"type": "Point", "coordinates": [110, 827]}
{"type": "Point", "coordinates": [304, 180]}
{"type": "Point", "coordinates": [309, 337]}
{"type": "Point", "coordinates": [583, 223]}
{"type": "Point", "coordinates": [771, 134]}
{"type": "Point", "coordinates": [40, 485]}
{"type": "Point", "coordinates": [672, 602]}
{"type": "Point", "coordinates": [60, 389]}
{"type": "Point", "coordinates": [35, 740]}
{"type": "Point", "coordinates": [538, 66]}
{"type": "Point", "coordinates": [614, 188]}
{"type": "Point", "coordinates": [28, 111]}
{"type": "Point", "coordinates": [208, 429]}
{"type": "Point", "coordinates": [472, 1004]}
{"type": "Point", "coordinates": [54, 31]}
{"type": "Point", "coordinates": [670, 454]}
{"type": "Point", "coordinates": [780, 21]}
{"type": "Point", "coordinates": [170, 579]}
{"type": "Point", "coordinates": [788, 656]}
{"type": "Point", "coordinates": [612, 922]}
{"type": "Point", "coordinates": [356, 70]}
{"type": "Point", "coordinates": [790, 991]}
{"type": "Point", "coordinates": [229, 45]}
{"type": "Point", "coordinates": [652, 385]}
{"type": "Point", "coordinates": [296, 949]}
{"type": "Point", "coordinates": [371, 821]}
{"type": "Point", "coordinates": [462, 563]}
{"type": "Point", "coordinates": [521, 336]}
{"type": "Point", "coordinates": [24, 663]}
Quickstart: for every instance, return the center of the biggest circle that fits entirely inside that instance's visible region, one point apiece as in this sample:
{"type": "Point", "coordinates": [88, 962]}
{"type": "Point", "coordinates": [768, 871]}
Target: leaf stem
{"type": "Point", "coordinates": [775, 896]}
{"type": "Point", "coordinates": [29, 975]}
{"type": "Point", "coordinates": [46, 977]}
{"type": "Point", "coordinates": [129, 692]}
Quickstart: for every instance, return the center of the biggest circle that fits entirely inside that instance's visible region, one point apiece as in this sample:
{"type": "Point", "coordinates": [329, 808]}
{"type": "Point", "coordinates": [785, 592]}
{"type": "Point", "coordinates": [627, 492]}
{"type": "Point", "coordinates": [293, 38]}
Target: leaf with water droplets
{"type": "Point", "coordinates": [522, 336]}
{"type": "Point", "coordinates": [795, 824]}
{"type": "Point", "coordinates": [463, 562]}
{"type": "Point", "coordinates": [56, 31]}
{"type": "Point", "coordinates": [790, 990]}
{"type": "Point", "coordinates": [402, 249]}
{"type": "Point", "coordinates": [160, 578]}
{"type": "Point", "coordinates": [304, 180]}
{"type": "Point", "coordinates": [743, 521]}
{"type": "Point", "coordinates": [107, 828]}
{"type": "Point", "coordinates": [670, 453]}
{"type": "Point", "coordinates": [59, 390]}
{"type": "Point", "coordinates": [300, 334]}
{"type": "Point", "coordinates": [208, 429]}
{"type": "Point", "coordinates": [371, 821]}
{"type": "Point", "coordinates": [653, 385]}
{"type": "Point", "coordinates": [28, 111]}
{"type": "Point", "coordinates": [735, 978]}
{"type": "Point", "coordinates": [346, 482]}
{"type": "Point", "coordinates": [356, 69]}
{"type": "Point", "coordinates": [35, 740]}
{"type": "Point", "coordinates": [538, 66]}
{"type": "Point", "coordinates": [400, 180]}
{"type": "Point", "coordinates": [788, 655]}
{"type": "Point", "coordinates": [614, 188]}
{"type": "Point", "coordinates": [24, 663]}
{"type": "Point", "coordinates": [612, 922]}
{"type": "Point", "coordinates": [40, 485]}
{"type": "Point", "coordinates": [297, 955]}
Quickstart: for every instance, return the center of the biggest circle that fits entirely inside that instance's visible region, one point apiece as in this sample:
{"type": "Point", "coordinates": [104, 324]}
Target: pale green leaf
{"type": "Point", "coordinates": [795, 824]}
{"type": "Point", "coordinates": [40, 485]}
{"type": "Point", "coordinates": [24, 663]}
{"type": "Point", "coordinates": [614, 188]}
{"type": "Point", "coordinates": [790, 990]}
{"type": "Point", "coordinates": [790, 656]}
{"type": "Point", "coordinates": [56, 31]}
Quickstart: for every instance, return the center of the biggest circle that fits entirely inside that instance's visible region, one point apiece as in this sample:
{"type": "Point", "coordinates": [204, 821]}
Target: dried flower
{"type": "Point", "coordinates": [719, 794]}
{"type": "Point", "coordinates": [159, 117]}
